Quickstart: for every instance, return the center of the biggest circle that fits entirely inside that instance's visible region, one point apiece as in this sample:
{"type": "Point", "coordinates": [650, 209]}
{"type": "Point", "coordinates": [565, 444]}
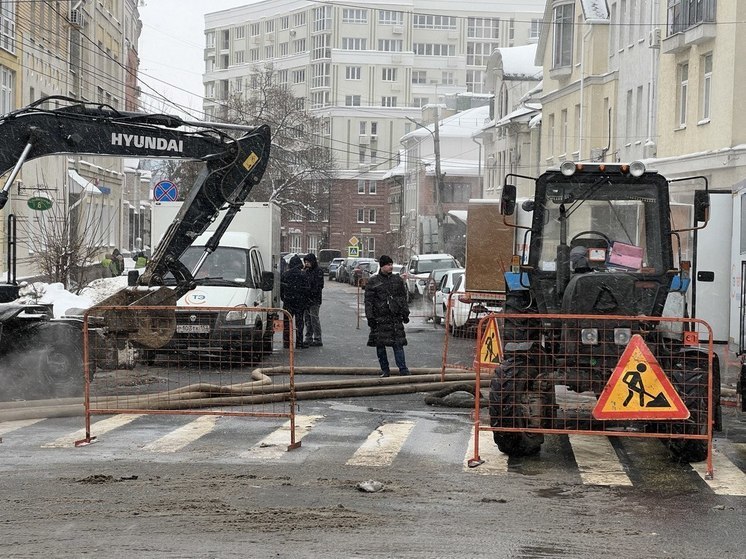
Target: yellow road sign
{"type": "Point", "coordinates": [354, 240]}
{"type": "Point", "coordinates": [490, 347]}
{"type": "Point", "coordinates": [639, 389]}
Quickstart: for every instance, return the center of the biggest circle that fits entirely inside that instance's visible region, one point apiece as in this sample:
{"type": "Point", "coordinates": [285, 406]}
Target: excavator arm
{"type": "Point", "coordinates": [232, 167]}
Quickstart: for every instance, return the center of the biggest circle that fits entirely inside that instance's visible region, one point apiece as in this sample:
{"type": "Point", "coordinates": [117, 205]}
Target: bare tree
{"type": "Point", "coordinates": [300, 168]}
{"type": "Point", "coordinates": [182, 173]}
{"type": "Point", "coordinates": [67, 238]}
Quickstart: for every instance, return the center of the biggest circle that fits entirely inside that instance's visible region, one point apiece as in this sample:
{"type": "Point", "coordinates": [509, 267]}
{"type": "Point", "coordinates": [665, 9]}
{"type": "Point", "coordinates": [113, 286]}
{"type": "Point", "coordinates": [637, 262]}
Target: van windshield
{"type": "Point", "coordinates": [225, 266]}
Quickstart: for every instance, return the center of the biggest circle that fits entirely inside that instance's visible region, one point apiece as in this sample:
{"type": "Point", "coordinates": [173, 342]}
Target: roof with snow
{"type": "Point", "coordinates": [462, 124]}
{"type": "Point", "coordinates": [595, 9]}
{"type": "Point", "coordinates": [518, 62]}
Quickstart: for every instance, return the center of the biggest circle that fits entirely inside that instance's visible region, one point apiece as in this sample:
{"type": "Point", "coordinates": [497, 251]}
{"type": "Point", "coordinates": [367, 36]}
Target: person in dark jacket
{"type": "Point", "coordinates": [311, 316]}
{"type": "Point", "coordinates": [387, 311]}
{"type": "Point", "coordinates": [295, 293]}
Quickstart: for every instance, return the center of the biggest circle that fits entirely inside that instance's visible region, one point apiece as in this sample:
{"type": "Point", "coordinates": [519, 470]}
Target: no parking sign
{"type": "Point", "coordinates": [165, 191]}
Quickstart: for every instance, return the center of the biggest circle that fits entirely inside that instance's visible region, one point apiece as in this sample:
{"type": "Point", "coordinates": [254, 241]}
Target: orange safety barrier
{"type": "Point", "coordinates": [206, 364]}
{"type": "Point", "coordinates": [622, 376]}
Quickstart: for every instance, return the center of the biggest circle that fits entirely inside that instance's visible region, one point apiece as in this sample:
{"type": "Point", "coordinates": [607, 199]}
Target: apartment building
{"type": "Point", "coordinates": [77, 50]}
{"type": "Point", "coordinates": [366, 69]}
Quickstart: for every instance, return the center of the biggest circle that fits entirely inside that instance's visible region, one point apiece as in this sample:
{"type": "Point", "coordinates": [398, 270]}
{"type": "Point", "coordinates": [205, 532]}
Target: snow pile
{"type": "Point", "coordinates": [64, 302]}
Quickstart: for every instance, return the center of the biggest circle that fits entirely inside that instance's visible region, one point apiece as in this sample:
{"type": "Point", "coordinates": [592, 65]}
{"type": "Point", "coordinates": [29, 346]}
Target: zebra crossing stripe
{"type": "Point", "coordinates": [97, 429]}
{"type": "Point", "coordinates": [727, 479]}
{"type": "Point", "coordinates": [10, 426]}
{"type": "Point", "coordinates": [184, 435]}
{"type": "Point", "coordinates": [494, 461]}
{"type": "Point", "coordinates": [597, 461]}
{"type": "Point", "coordinates": [382, 445]}
{"type": "Point", "coordinates": [276, 443]}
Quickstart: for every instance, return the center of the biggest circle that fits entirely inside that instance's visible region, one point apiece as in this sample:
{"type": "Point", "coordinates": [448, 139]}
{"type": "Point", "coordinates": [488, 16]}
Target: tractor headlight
{"type": "Point", "coordinates": [637, 168]}
{"type": "Point", "coordinates": [589, 336]}
{"type": "Point", "coordinates": [567, 168]}
{"type": "Point", "coordinates": [622, 336]}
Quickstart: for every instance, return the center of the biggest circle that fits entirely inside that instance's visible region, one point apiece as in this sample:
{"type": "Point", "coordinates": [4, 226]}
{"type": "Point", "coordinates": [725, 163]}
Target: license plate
{"type": "Point", "coordinates": [193, 328]}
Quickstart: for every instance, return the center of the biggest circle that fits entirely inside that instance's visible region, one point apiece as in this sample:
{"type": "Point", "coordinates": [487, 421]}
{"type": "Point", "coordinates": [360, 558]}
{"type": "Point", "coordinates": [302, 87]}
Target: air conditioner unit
{"type": "Point", "coordinates": [654, 38]}
{"type": "Point", "coordinates": [292, 32]}
{"type": "Point", "coordinates": [363, 140]}
{"type": "Point", "coordinates": [397, 29]}
{"type": "Point", "coordinates": [77, 18]}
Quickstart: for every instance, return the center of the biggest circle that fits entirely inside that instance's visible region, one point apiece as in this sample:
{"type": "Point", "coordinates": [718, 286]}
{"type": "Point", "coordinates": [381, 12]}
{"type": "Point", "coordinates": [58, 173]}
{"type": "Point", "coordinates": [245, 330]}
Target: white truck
{"type": "Point", "coordinates": [242, 273]}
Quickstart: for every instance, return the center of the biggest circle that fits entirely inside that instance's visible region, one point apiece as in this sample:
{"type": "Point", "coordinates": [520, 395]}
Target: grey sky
{"type": "Point", "coordinates": [171, 50]}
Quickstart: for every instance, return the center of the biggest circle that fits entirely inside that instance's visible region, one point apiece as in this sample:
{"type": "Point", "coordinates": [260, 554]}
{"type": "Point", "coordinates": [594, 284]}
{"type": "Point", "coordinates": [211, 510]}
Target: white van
{"type": "Point", "coordinates": [419, 268]}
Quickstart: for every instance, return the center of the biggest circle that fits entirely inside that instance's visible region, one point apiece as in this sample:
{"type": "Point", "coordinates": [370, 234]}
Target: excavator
{"type": "Point", "coordinates": [49, 350]}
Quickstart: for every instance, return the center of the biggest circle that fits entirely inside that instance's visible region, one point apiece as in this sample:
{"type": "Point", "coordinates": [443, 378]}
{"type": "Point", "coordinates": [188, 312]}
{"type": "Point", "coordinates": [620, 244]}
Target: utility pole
{"type": "Point", "coordinates": [438, 183]}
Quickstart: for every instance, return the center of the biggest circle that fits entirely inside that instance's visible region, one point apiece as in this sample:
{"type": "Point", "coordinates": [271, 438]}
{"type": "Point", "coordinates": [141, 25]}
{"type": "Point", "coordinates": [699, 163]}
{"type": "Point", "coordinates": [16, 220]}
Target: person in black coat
{"type": "Point", "coordinates": [311, 316]}
{"type": "Point", "coordinates": [387, 311]}
{"type": "Point", "coordinates": [295, 292]}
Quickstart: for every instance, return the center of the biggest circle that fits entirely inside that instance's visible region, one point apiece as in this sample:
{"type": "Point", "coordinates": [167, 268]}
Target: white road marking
{"type": "Point", "coordinates": [495, 462]}
{"type": "Point", "coordinates": [98, 428]}
{"type": "Point", "coordinates": [728, 479]}
{"type": "Point", "coordinates": [597, 461]}
{"type": "Point", "coordinates": [382, 445]}
{"type": "Point", "coordinates": [10, 426]}
{"type": "Point", "coordinates": [184, 435]}
{"type": "Point", "coordinates": [276, 443]}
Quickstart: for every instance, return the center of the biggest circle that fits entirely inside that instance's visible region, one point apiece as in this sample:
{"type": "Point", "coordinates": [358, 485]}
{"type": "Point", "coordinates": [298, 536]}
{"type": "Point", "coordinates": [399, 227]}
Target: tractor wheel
{"type": "Point", "coordinates": [516, 329]}
{"type": "Point", "coordinates": [691, 384]}
{"type": "Point", "coordinates": [510, 406]}
{"type": "Point", "coordinates": [56, 350]}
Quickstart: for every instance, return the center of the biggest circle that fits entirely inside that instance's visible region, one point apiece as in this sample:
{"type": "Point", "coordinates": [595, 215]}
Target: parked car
{"type": "Point", "coordinates": [431, 286]}
{"type": "Point", "coordinates": [326, 256]}
{"type": "Point", "coordinates": [445, 287]}
{"type": "Point", "coordinates": [333, 266]}
{"type": "Point", "coordinates": [355, 271]}
{"type": "Point", "coordinates": [398, 269]}
{"type": "Point", "coordinates": [420, 266]}
{"type": "Point", "coordinates": [363, 271]}
{"type": "Point", "coordinates": [343, 272]}
{"type": "Point", "coordinates": [463, 314]}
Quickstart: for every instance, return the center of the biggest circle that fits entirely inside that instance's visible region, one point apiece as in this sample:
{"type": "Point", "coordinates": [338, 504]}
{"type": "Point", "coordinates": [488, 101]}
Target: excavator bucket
{"type": "Point", "coordinates": [137, 314]}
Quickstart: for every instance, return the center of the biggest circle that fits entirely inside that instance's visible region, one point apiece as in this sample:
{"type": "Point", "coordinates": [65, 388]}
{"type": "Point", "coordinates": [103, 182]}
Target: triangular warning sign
{"type": "Point", "coordinates": [490, 346]}
{"type": "Point", "coordinates": [639, 389]}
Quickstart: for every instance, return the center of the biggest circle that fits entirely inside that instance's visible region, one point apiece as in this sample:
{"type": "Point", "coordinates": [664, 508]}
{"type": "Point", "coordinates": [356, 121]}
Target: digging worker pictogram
{"type": "Point", "coordinates": [633, 380]}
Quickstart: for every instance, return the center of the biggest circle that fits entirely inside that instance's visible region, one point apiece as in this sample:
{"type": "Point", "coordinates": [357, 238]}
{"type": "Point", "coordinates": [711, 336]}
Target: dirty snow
{"type": "Point", "coordinates": [63, 301]}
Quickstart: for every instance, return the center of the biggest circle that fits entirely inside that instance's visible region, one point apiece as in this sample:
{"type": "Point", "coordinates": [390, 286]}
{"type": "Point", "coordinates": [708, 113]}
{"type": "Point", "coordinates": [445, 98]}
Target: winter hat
{"type": "Point", "coordinates": [296, 262]}
{"type": "Point", "coordinates": [310, 257]}
{"type": "Point", "coordinates": [385, 260]}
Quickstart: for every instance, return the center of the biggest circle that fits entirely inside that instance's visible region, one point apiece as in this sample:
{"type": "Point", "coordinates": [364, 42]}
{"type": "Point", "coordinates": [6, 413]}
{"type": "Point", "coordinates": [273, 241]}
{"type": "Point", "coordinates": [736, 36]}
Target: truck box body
{"type": "Point", "coordinates": [489, 247]}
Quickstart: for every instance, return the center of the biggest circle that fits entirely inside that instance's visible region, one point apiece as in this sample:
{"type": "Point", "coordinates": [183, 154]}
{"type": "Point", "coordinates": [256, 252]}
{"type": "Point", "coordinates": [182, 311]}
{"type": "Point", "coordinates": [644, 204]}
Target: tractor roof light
{"type": "Point", "coordinates": [637, 168]}
{"type": "Point", "coordinates": [568, 168]}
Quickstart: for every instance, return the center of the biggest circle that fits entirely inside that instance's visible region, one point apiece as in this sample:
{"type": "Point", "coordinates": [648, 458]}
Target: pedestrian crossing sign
{"type": "Point", "coordinates": [490, 347]}
{"type": "Point", "coordinates": [353, 251]}
{"type": "Point", "coordinates": [639, 389]}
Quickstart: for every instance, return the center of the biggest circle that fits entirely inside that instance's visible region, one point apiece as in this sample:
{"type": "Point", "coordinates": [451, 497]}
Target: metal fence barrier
{"type": "Point", "coordinates": [202, 361]}
{"type": "Point", "coordinates": [619, 376]}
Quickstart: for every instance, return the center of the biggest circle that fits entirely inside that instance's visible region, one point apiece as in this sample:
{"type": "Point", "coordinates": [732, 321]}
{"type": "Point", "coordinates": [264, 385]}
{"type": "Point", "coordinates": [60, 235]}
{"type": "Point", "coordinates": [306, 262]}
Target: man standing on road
{"type": "Point", "coordinates": [294, 292]}
{"type": "Point", "coordinates": [311, 316]}
{"type": "Point", "coordinates": [386, 311]}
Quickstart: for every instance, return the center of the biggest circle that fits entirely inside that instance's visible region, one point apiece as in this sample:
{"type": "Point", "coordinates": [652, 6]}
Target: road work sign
{"type": "Point", "coordinates": [639, 389]}
{"type": "Point", "coordinates": [490, 348]}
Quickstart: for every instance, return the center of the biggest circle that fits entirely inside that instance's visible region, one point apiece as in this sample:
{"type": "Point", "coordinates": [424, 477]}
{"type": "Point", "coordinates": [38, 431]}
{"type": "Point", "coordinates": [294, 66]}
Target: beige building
{"type": "Point", "coordinates": [80, 52]}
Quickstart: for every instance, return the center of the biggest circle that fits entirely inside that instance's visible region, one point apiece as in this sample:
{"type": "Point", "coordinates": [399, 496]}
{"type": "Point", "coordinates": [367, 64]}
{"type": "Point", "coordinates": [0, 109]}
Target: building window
{"type": "Point", "coordinates": [475, 81]}
{"type": "Point", "coordinates": [352, 100]}
{"type": "Point", "coordinates": [238, 57]}
{"type": "Point", "coordinates": [372, 187]}
{"type": "Point", "coordinates": [299, 76]}
{"type": "Point", "coordinates": [269, 26]}
{"type": "Point", "coordinates": [353, 72]}
{"type": "Point", "coordinates": [354, 43]}
{"type": "Point", "coordinates": [447, 78]}
{"type": "Point", "coordinates": [388, 74]}
{"type": "Point", "coordinates": [683, 14]}
{"type": "Point", "coordinates": [478, 53]}
{"type": "Point", "coordinates": [372, 215]}
{"type": "Point", "coordinates": [683, 90]}
{"type": "Point", "coordinates": [7, 90]}
{"type": "Point", "coordinates": [350, 15]}
{"type": "Point", "coordinates": [284, 22]}
{"type": "Point", "coordinates": [299, 46]}
{"type": "Point", "coordinates": [535, 29]}
{"type": "Point", "coordinates": [483, 28]}
{"type": "Point", "coordinates": [299, 19]}
{"type": "Point", "coordinates": [361, 154]}
{"type": "Point", "coordinates": [361, 187]}
{"type": "Point", "coordinates": [433, 22]}
{"type": "Point", "coordinates": [419, 76]}
{"type": "Point", "coordinates": [390, 17]}
{"type": "Point", "coordinates": [563, 28]}
{"type": "Point", "coordinates": [390, 45]}
{"type": "Point", "coordinates": [388, 101]}
{"type": "Point", "coordinates": [455, 192]}
{"type": "Point", "coordinates": [313, 243]}
{"type": "Point", "coordinates": [420, 101]}
{"type": "Point", "coordinates": [295, 244]}
{"type": "Point", "coordinates": [321, 74]}
{"type": "Point", "coordinates": [363, 127]}
{"type": "Point", "coordinates": [706, 85]}
{"type": "Point", "coordinates": [284, 49]}
{"type": "Point", "coordinates": [269, 51]}
{"type": "Point", "coordinates": [427, 49]}
{"type": "Point", "coordinates": [322, 18]}
{"type": "Point", "coordinates": [254, 29]}
{"type": "Point", "coordinates": [371, 243]}
{"type": "Point", "coordinates": [239, 32]}
{"type": "Point", "coordinates": [321, 47]}
{"type": "Point", "coordinates": [374, 129]}
{"type": "Point", "coordinates": [361, 215]}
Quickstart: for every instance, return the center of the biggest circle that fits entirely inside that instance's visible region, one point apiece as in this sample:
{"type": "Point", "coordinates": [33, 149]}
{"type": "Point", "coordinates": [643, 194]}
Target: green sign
{"type": "Point", "coordinates": [39, 203]}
